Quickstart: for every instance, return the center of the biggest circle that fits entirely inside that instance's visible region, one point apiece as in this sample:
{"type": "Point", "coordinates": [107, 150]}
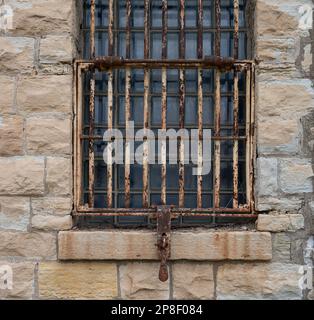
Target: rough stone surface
{"type": "Point", "coordinates": [77, 280]}
{"type": "Point", "coordinates": [140, 245]}
{"type": "Point", "coordinates": [28, 245]}
{"type": "Point", "coordinates": [54, 49]}
{"type": "Point", "coordinates": [277, 135]}
{"type": "Point", "coordinates": [48, 136]}
{"type": "Point", "coordinates": [52, 206]}
{"type": "Point", "coordinates": [59, 176]}
{"type": "Point", "coordinates": [14, 213]}
{"type": "Point", "coordinates": [296, 175]}
{"type": "Point", "coordinates": [283, 203]}
{"type": "Point", "coordinates": [285, 99]}
{"type": "Point", "coordinates": [41, 17]}
{"type": "Point", "coordinates": [49, 222]}
{"type": "Point", "coordinates": [16, 54]}
{"type": "Point", "coordinates": [45, 94]}
{"type": "Point", "coordinates": [281, 247]}
{"type": "Point", "coordinates": [271, 281]}
{"type": "Point", "coordinates": [193, 281]}
{"type": "Point", "coordinates": [7, 94]}
{"type": "Point", "coordinates": [11, 133]}
{"type": "Point", "coordinates": [23, 280]}
{"type": "Point", "coordinates": [140, 281]}
{"type": "Point", "coordinates": [277, 223]}
{"type": "Point", "coordinates": [267, 176]}
{"type": "Point", "coordinates": [22, 176]}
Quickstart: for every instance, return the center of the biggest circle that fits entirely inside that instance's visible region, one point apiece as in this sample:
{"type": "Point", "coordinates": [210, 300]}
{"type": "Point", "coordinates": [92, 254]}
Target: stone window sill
{"type": "Point", "coordinates": [199, 245]}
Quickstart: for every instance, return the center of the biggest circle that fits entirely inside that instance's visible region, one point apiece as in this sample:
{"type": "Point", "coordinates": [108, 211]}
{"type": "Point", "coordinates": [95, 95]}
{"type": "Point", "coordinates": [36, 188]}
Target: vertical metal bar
{"type": "Point", "coordinates": [78, 131]}
{"type": "Point", "coordinates": [146, 104]}
{"type": "Point", "coordinates": [164, 101]}
{"type": "Point", "coordinates": [217, 145]}
{"type": "Point", "coordinates": [236, 29]}
{"type": "Point", "coordinates": [236, 109]}
{"type": "Point", "coordinates": [127, 165]}
{"type": "Point", "coordinates": [248, 134]}
{"type": "Point", "coordinates": [182, 103]}
{"type": "Point", "coordinates": [110, 108]}
{"type": "Point", "coordinates": [236, 142]}
{"type": "Point", "coordinates": [91, 154]}
{"type": "Point", "coordinates": [252, 136]}
{"type": "Point", "coordinates": [200, 104]}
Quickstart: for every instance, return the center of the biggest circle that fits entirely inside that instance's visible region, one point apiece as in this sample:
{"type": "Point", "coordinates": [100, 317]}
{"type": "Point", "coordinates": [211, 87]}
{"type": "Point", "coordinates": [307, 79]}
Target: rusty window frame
{"type": "Point", "coordinates": [216, 62]}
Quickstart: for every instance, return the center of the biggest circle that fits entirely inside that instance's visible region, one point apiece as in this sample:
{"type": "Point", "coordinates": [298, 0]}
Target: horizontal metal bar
{"type": "Point", "coordinates": [103, 63]}
{"type": "Point", "coordinates": [86, 137]}
{"type": "Point", "coordinates": [175, 212]}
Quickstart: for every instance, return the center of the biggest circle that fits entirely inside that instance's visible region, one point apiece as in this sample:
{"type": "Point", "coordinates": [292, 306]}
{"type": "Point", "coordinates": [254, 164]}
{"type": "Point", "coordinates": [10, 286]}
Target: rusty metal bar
{"type": "Point", "coordinates": [110, 108]}
{"type": "Point", "coordinates": [164, 103]}
{"type": "Point", "coordinates": [200, 104]}
{"type": "Point", "coordinates": [236, 142]}
{"type": "Point", "coordinates": [252, 138]}
{"type": "Point", "coordinates": [181, 103]}
{"type": "Point", "coordinates": [217, 144]}
{"type": "Point", "coordinates": [223, 63]}
{"type": "Point", "coordinates": [151, 212]}
{"type": "Point", "coordinates": [248, 133]}
{"type": "Point", "coordinates": [87, 137]}
{"type": "Point", "coordinates": [91, 154]}
{"type": "Point", "coordinates": [146, 105]}
{"type": "Point", "coordinates": [218, 23]}
{"type": "Point", "coordinates": [236, 108]}
{"type": "Point", "coordinates": [127, 164]}
{"type": "Point", "coordinates": [236, 29]}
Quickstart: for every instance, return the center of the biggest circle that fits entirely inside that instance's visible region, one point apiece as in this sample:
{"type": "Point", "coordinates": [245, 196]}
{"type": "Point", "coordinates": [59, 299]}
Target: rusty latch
{"type": "Point", "coordinates": [163, 239]}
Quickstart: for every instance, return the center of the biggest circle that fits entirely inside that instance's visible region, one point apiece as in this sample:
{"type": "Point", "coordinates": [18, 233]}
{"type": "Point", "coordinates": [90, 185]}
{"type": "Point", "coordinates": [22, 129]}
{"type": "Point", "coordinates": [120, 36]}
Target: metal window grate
{"type": "Point", "coordinates": [165, 64]}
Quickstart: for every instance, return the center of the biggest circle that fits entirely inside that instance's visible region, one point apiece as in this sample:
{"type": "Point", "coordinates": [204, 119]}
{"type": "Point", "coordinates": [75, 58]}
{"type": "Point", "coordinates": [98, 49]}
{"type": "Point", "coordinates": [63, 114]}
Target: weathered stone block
{"type": "Point", "coordinates": [17, 54]}
{"type": "Point", "coordinates": [11, 133]}
{"type": "Point", "coordinates": [286, 99]}
{"type": "Point", "coordinates": [140, 281]}
{"type": "Point", "coordinates": [7, 94]}
{"type": "Point", "coordinates": [48, 136]}
{"type": "Point", "coordinates": [45, 94]}
{"type": "Point", "coordinates": [23, 280]}
{"type": "Point", "coordinates": [193, 281]}
{"type": "Point", "coordinates": [273, 281]}
{"type": "Point", "coordinates": [55, 49]}
{"type": "Point", "coordinates": [281, 248]}
{"type": "Point", "coordinates": [296, 175]}
{"type": "Point", "coordinates": [28, 245]}
{"type": "Point", "coordinates": [140, 245]}
{"type": "Point", "coordinates": [267, 176]}
{"type": "Point", "coordinates": [77, 280]}
{"type": "Point", "coordinates": [59, 176]}
{"type": "Point", "coordinates": [22, 176]}
{"type": "Point", "coordinates": [274, 19]}
{"type": "Point", "coordinates": [282, 222]}
{"type": "Point", "coordinates": [276, 135]}
{"type": "Point", "coordinates": [40, 17]}
{"type": "Point", "coordinates": [52, 206]}
{"type": "Point", "coordinates": [14, 213]}
{"type": "Point", "coordinates": [281, 204]}
{"type": "Point", "coordinates": [49, 222]}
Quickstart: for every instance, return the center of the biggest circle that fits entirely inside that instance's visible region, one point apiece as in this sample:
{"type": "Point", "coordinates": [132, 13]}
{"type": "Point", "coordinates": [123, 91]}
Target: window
{"type": "Point", "coordinates": [164, 65]}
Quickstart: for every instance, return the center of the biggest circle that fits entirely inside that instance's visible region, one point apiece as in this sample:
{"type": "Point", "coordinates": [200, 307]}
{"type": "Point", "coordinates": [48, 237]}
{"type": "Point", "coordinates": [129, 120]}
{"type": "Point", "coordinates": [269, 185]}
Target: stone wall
{"type": "Point", "coordinates": [49, 260]}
